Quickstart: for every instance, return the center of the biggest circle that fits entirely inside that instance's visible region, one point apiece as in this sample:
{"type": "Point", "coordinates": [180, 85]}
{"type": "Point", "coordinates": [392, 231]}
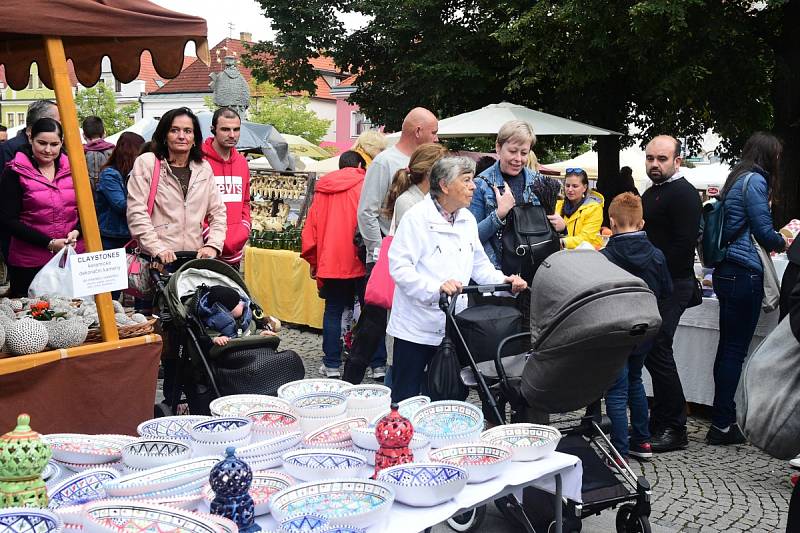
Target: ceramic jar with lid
{"type": "Point", "coordinates": [23, 456]}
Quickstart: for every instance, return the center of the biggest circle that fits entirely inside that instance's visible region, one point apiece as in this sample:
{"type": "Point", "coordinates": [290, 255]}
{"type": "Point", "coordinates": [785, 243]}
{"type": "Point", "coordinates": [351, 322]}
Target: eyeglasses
{"type": "Point", "coordinates": [576, 170]}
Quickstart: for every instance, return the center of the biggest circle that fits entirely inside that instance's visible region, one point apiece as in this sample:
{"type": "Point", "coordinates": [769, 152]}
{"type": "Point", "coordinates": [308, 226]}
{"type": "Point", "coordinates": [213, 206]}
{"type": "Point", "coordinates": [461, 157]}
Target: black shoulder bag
{"type": "Point", "coordinates": [527, 239]}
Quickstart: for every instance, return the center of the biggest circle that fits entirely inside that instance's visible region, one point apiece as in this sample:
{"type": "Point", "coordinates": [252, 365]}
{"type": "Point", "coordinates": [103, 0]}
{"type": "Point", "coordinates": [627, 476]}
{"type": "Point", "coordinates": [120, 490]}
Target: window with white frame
{"type": "Point", "coordinates": [359, 124]}
{"type": "Point", "coordinates": [10, 120]}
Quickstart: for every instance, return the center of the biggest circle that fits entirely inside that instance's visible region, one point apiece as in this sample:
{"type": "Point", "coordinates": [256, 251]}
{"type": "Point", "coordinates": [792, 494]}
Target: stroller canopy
{"type": "Point", "coordinates": [194, 273]}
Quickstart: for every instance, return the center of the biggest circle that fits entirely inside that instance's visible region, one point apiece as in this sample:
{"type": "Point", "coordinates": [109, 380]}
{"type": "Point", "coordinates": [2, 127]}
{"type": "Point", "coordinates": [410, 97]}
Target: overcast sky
{"type": "Point", "coordinates": [245, 15]}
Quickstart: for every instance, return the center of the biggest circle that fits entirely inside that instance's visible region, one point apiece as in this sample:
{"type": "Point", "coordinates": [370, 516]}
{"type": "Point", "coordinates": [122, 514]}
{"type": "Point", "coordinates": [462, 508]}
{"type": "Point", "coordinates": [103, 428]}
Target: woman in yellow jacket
{"type": "Point", "coordinates": [582, 210]}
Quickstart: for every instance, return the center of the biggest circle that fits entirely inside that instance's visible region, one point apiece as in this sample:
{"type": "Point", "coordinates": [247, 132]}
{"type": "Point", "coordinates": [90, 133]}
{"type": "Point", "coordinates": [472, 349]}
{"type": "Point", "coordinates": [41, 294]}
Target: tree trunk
{"type": "Point", "coordinates": [608, 182]}
{"type": "Point", "coordinates": [786, 109]}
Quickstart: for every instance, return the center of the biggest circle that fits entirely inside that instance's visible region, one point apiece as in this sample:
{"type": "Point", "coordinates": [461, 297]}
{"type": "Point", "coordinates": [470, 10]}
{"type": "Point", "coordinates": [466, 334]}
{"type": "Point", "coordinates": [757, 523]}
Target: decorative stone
{"type": "Point", "coordinates": [139, 318]}
{"type": "Point", "coordinates": [230, 480]}
{"type": "Point", "coordinates": [117, 306]}
{"type": "Point", "coordinates": [66, 333]}
{"type": "Point", "coordinates": [394, 433]}
{"type": "Point", "coordinates": [23, 457]}
{"type": "Point", "coordinates": [2, 334]}
{"type": "Point", "coordinates": [26, 336]}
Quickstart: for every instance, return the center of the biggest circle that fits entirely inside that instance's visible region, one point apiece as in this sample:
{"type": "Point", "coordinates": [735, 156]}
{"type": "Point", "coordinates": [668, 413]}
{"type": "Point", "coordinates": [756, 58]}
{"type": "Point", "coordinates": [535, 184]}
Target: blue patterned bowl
{"type": "Point", "coordinates": [29, 520]}
{"type": "Point", "coordinates": [344, 529]}
{"type": "Point", "coordinates": [310, 465]}
{"type": "Point", "coordinates": [222, 429]}
{"type": "Point", "coordinates": [292, 390]}
{"type": "Point", "coordinates": [149, 453]}
{"type": "Point", "coordinates": [448, 422]}
{"type": "Point", "coordinates": [483, 461]}
{"type": "Point", "coordinates": [528, 442]}
{"type": "Point", "coordinates": [170, 427]}
{"type": "Point", "coordinates": [368, 397]}
{"type": "Point", "coordinates": [306, 523]}
{"type": "Point", "coordinates": [424, 484]}
{"type": "Point", "coordinates": [81, 488]}
{"type": "Point", "coordinates": [360, 502]}
{"type": "Point", "coordinates": [320, 405]}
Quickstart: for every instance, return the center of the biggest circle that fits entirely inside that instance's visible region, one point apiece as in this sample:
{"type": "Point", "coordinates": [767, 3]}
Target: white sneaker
{"type": "Point", "coordinates": [795, 463]}
{"type": "Point", "coordinates": [329, 372]}
{"type": "Point", "coordinates": [379, 372]}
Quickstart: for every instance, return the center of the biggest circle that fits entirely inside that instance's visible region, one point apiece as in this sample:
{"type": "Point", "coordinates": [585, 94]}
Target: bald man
{"type": "Point", "coordinates": [419, 127]}
{"type": "Point", "coordinates": [672, 209]}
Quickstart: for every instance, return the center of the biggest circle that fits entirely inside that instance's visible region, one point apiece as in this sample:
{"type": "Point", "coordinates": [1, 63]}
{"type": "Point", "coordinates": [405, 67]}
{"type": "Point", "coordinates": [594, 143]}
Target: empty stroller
{"type": "Point", "coordinates": [247, 364]}
{"type": "Point", "coordinates": [587, 315]}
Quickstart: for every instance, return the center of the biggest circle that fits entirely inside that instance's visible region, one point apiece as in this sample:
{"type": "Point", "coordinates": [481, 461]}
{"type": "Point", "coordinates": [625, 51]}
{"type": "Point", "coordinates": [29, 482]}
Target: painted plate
{"type": "Point", "coordinates": [333, 433]}
{"type": "Point", "coordinates": [292, 390]}
{"type": "Point", "coordinates": [116, 516]}
{"type": "Point", "coordinates": [170, 427]}
{"type": "Point", "coordinates": [448, 419]}
{"type": "Point", "coordinates": [241, 404]}
{"type": "Point", "coordinates": [163, 477]}
{"type": "Point", "coordinates": [83, 449]}
{"type": "Point", "coordinates": [80, 488]}
{"type": "Point", "coordinates": [264, 485]}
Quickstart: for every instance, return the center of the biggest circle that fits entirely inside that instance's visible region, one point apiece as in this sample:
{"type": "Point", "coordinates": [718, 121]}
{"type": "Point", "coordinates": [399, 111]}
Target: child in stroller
{"type": "Point", "coordinates": [225, 310]}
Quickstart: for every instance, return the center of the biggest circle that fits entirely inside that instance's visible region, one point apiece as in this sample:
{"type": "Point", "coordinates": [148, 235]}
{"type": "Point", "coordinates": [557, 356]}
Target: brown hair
{"type": "Point", "coordinates": [626, 209]}
{"type": "Point", "coordinates": [419, 166]}
{"type": "Point", "coordinates": [125, 153]}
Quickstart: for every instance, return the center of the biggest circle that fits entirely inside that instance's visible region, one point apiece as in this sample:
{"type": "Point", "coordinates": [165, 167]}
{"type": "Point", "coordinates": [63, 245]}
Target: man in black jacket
{"type": "Point", "coordinates": [672, 209]}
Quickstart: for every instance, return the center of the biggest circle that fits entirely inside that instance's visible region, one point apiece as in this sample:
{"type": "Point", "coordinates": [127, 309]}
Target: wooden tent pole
{"type": "Point", "coordinates": [57, 63]}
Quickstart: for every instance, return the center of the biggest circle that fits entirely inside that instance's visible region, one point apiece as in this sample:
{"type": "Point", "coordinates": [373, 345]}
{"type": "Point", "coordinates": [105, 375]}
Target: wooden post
{"type": "Point", "coordinates": [57, 63]}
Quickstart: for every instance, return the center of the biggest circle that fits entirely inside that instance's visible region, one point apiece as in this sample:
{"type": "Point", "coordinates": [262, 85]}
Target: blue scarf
{"type": "Point", "coordinates": [568, 210]}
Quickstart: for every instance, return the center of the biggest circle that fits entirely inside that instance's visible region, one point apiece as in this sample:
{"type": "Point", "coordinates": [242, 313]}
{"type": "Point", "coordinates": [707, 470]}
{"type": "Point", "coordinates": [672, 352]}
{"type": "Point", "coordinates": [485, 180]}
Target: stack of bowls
{"type": "Point", "coordinates": [149, 453]}
{"type": "Point", "coordinates": [335, 435]}
{"type": "Point", "coordinates": [292, 390]}
{"type": "Point", "coordinates": [318, 409]}
{"type": "Point", "coordinates": [268, 453]}
{"type": "Point", "coordinates": [367, 401]}
{"type": "Point", "coordinates": [215, 435]}
{"type": "Point", "coordinates": [170, 427]}
{"type": "Point", "coordinates": [365, 443]}
{"type": "Point", "coordinates": [273, 422]}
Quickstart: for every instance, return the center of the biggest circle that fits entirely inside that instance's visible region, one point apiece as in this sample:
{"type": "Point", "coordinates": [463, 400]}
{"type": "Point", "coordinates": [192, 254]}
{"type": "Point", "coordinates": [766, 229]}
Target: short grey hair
{"type": "Point", "coordinates": [516, 130]}
{"type": "Point", "coordinates": [448, 169]}
{"type": "Point", "coordinates": [38, 109]}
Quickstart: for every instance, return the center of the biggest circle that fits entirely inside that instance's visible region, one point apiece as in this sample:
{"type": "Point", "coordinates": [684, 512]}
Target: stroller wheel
{"type": "Point", "coordinates": [162, 409]}
{"type": "Point", "coordinates": [629, 522]}
{"type": "Point", "coordinates": [469, 521]}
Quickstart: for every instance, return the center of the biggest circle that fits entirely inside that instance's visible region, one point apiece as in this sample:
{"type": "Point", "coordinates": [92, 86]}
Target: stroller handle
{"type": "Point", "coordinates": [444, 298]}
{"type": "Point", "coordinates": [183, 255]}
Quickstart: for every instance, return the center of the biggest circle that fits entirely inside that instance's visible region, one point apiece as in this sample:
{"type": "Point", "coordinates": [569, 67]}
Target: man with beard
{"type": "Point", "coordinates": [672, 211]}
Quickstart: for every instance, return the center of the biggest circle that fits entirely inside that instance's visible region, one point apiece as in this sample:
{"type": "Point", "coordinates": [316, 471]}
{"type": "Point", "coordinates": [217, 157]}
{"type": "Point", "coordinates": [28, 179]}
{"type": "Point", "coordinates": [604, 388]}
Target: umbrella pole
{"type": "Point", "coordinates": [57, 63]}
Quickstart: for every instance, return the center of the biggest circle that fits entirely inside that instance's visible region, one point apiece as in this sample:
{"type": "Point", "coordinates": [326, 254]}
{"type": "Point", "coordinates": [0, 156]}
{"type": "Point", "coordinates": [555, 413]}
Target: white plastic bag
{"type": "Point", "coordinates": [54, 279]}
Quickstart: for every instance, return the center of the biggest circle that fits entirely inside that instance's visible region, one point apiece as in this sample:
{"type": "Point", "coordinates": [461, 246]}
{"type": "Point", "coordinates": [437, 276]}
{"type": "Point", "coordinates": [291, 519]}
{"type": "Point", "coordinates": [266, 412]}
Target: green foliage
{"type": "Point", "coordinates": [99, 101]}
{"type": "Point", "coordinates": [288, 114]}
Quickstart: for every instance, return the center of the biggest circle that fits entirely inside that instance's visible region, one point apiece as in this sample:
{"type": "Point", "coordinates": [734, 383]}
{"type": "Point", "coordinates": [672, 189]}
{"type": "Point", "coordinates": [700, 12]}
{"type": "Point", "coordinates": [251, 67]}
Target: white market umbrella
{"type": "Point", "coordinates": [633, 157]}
{"type": "Point", "coordinates": [139, 127]}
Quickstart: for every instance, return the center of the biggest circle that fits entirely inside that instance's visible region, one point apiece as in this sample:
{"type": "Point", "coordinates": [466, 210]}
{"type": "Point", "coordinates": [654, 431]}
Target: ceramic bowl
{"type": "Point", "coordinates": [83, 449]}
{"type": "Point", "coordinates": [300, 387]}
{"type": "Point", "coordinates": [358, 502]}
{"type": "Point", "coordinates": [334, 433]}
{"type": "Point", "coordinates": [201, 448]}
{"type": "Point", "coordinates": [407, 408]}
{"type": "Point", "coordinates": [481, 461]}
{"type": "Point", "coordinates": [528, 442]}
{"type": "Point", "coordinates": [368, 397]}
{"type": "Point", "coordinates": [311, 465]}
{"type": "Point", "coordinates": [80, 488]}
{"type": "Point", "coordinates": [149, 453]}
{"type": "Point", "coordinates": [75, 467]}
{"type": "Point", "coordinates": [114, 516]}
{"type": "Point", "coordinates": [304, 523]}
{"type": "Point", "coordinates": [51, 471]}
{"type": "Point", "coordinates": [364, 437]}
{"type": "Point", "coordinates": [192, 488]}
{"type": "Point", "coordinates": [312, 424]}
{"type": "Point", "coordinates": [424, 484]}
{"type": "Point", "coordinates": [241, 404]}
{"type": "Point", "coordinates": [274, 421]}
{"type": "Point", "coordinates": [222, 429]}
{"type": "Point", "coordinates": [71, 515]}
{"type": "Point", "coordinates": [170, 427]}
{"type": "Point", "coordinates": [29, 519]}
{"type": "Point", "coordinates": [440, 421]}
{"type": "Point", "coordinates": [163, 477]}
{"type": "Point", "coordinates": [264, 485]}
{"type": "Point", "coordinates": [187, 502]}
{"type": "Point", "coordinates": [344, 529]}
{"type": "Point", "coordinates": [320, 405]}
{"type": "Point", "coordinates": [369, 414]}
{"type": "Point", "coordinates": [420, 455]}
{"type": "Point", "coordinates": [274, 445]}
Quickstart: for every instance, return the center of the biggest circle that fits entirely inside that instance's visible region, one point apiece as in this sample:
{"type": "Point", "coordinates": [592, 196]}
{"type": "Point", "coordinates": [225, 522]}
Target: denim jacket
{"type": "Point", "coordinates": [484, 207]}
{"type": "Point", "coordinates": [111, 202]}
{"type": "Point", "coordinates": [218, 318]}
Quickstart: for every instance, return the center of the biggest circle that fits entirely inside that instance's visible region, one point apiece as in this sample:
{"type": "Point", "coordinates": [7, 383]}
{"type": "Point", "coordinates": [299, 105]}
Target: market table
{"type": "Point", "coordinates": [107, 387]}
{"type": "Point", "coordinates": [280, 281]}
{"type": "Point", "coordinates": [559, 473]}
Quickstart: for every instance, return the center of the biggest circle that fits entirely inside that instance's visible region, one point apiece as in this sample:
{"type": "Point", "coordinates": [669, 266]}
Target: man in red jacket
{"type": "Point", "coordinates": [232, 176]}
{"type": "Point", "coordinates": [328, 247]}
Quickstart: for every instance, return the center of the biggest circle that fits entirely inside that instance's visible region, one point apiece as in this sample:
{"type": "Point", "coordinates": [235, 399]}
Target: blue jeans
{"type": "Point", "coordinates": [628, 391]}
{"type": "Point", "coordinates": [408, 368]}
{"type": "Point", "coordinates": [740, 291]}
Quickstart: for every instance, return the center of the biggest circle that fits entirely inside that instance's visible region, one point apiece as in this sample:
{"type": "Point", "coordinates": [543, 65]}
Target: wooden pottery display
{"type": "Point", "coordinates": [230, 480]}
{"type": "Point", "coordinates": [23, 457]}
{"type": "Point", "coordinates": [394, 433]}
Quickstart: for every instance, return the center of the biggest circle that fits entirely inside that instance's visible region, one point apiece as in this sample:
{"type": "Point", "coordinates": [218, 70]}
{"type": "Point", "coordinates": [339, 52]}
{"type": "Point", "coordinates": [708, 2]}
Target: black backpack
{"type": "Point", "coordinates": [527, 240]}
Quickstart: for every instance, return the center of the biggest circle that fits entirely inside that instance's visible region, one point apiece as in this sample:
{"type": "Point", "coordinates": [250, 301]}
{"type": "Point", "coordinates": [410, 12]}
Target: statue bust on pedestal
{"type": "Point", "coordinates": [230, 88]}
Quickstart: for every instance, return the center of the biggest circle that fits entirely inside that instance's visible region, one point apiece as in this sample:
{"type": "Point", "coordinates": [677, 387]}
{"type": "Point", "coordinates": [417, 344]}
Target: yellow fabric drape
{"type": "Point", "coordinates": [280, 281]}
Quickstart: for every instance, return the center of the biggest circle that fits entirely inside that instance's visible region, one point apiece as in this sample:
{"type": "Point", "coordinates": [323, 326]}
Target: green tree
{"type": "Point", "coordinates": [99, 101]}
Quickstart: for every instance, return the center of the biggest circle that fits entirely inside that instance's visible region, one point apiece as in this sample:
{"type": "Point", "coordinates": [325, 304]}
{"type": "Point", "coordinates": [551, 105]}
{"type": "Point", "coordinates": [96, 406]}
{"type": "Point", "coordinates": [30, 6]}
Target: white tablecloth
{"type": "Point", "coordinates": [695, 347]}
{"type": "Point", "coordinates": [516, 476]}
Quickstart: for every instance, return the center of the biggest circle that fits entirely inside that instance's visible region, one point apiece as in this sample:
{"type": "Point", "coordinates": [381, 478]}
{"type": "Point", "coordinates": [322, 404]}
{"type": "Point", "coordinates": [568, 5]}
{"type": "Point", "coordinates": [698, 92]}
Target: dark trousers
{"type": "Point", "coordinates": [669, 404]}
{"type": "Point", "coordinates": [740, 291]}
{"type": "Point", "coordinates": [369, 339]}
{"type": "Point", "coordinates": [20, 279]}
{"type": "Point", "coordinates": [408, 368]}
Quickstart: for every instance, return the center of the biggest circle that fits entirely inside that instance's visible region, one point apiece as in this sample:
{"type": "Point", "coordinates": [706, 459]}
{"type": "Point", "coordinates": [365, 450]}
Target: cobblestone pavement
{"type": "Point", "coordinates": [703, 488]}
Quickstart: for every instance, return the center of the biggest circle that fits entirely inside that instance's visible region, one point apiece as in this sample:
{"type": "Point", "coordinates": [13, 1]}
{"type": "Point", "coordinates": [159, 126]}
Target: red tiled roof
{"type": "Point", "coordinates": [194, 79]}
{"type": "Point", "coordinates": [349, 81]}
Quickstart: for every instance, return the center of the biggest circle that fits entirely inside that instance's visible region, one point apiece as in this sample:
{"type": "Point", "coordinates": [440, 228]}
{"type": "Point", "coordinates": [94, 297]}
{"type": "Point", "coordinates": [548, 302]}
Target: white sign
{"type": "Point", "coordinates": [98, 272]}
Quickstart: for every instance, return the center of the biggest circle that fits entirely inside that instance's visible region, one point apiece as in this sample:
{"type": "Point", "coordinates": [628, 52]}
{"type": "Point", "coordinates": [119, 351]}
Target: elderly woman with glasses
{"type": "Point", "coordinates": [436, 249]}
{"type": "Point", "coordinates": [581, 209]}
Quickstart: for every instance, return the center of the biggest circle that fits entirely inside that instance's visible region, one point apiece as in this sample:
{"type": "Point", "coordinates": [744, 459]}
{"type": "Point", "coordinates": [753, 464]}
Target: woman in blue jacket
{"type": "Point", "coordinates": [739, 278]}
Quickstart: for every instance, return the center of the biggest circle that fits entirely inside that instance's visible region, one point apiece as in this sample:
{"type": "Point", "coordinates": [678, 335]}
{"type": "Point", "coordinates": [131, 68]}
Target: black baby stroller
{"type": "Point", "coordinates": [203, 371]}
{"type": "Point", "coordinates": [587, 315]}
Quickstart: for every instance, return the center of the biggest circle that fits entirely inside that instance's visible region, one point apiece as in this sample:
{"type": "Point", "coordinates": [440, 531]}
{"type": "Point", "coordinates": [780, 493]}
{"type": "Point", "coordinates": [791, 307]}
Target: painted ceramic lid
{"type": "Point", "coordinates": [23, 454]}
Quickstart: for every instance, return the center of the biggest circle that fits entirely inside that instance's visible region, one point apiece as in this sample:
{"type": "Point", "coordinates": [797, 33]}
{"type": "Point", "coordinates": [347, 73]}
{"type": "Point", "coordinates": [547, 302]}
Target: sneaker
{"type": "Point", "coordinates": [379, 372]}
{"type": "Point", "coordinates": [641, 451]}
{"type": "Point", "coordinates": [329, 372]}
{"type": "Point", "coordinates": [616, 460]}
{"type": "Point", "coordinates": [795, 463]}
{"type": "Point", "coordinates": [734, 435]}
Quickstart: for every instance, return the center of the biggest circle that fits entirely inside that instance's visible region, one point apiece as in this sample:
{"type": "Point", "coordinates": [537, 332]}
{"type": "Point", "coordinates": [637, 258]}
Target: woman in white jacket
{"type": "Point", "coordinates": [435, 249]}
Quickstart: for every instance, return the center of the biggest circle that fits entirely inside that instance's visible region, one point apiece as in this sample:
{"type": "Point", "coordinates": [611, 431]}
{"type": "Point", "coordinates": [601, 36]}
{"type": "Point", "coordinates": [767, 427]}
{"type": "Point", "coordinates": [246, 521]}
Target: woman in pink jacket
{"type": "Point", "coordinates": [185, 197]}
{"type": "Point", "coordinates": [37, 205]}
